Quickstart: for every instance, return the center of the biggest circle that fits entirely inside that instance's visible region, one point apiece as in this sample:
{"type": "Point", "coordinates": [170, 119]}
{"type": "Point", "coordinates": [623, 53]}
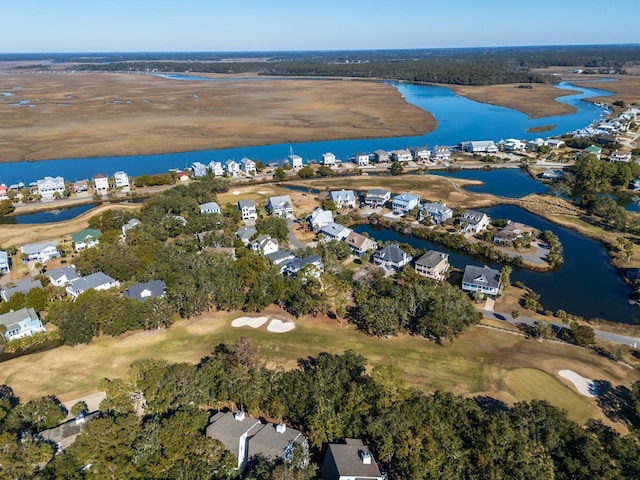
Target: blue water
{"type": "Point", "coordinates": [505, 182]}
{"type": "Point", "coordinates": [459, 119]}
{"type": "Point", "coordinates": [584, 285]}
{"type": "Point", "coordinates": [48, 216]}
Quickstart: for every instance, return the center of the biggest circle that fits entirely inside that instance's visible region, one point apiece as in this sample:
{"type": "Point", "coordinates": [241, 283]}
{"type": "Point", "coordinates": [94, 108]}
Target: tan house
{"type": "Point", "coordinates": [433, 264]}
{"type": "Point", "coordinates": [360, 244]}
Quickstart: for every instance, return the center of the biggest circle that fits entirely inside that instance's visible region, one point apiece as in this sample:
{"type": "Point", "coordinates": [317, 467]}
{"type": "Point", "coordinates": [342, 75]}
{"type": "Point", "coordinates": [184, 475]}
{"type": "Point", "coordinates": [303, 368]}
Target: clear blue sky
{"type": "Point", "coordinates": [241, 25]}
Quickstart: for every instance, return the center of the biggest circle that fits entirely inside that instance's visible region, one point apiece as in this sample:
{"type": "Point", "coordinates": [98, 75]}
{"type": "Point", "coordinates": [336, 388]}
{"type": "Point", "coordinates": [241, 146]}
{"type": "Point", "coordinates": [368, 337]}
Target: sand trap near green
{"type": "Point", "coordinates": [585, 386]}
{"type": "Point", "coordinates": [253, 322]}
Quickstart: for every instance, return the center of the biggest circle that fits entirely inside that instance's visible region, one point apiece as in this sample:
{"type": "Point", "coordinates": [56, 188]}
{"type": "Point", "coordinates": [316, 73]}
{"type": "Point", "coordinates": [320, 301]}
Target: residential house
{"type": "Point", "coordinates": [3, 192]}
{"type": "Point", "coordinates": [593, 150]}
{"type": "Point", "coordinates": [405, 203]}
{"type": "Point", "coordinates": [81, 186]}
{"type": "Point", "coordinates": [433, 264]}
{"type": "Point", "coordinates": [23, 286]}
{"type": "Point", "coordinates": [350, 461]}
{"type": "Point", "coordinates": [512, 145]}
{"type": "Point", "coordinates": [481, 279]}
{"type": "Point", "coordinates": [280, 206]}
{"type": "Point", "coordinates": [101, 184]}
{"type": "Point", "coordinates": [129, 225]}
{"type": "Point", "coordinates": [87, 238]}
{"type": "Point", "coordinates": [554, 143]}
{"type": "Point", "coordinates": [401, 155]}
{"type": "Point", "coordinates": [248, 166]}
{"type": "Point", "coordinates": [377, 197]}
{"type": "Point", "coordinates": [216, 168]}
{"type": "Point", "coordinates": [147, 290]}
{"type": "Point", "coordinates": [61, 276]}
{"type": "Point", "coordinates": [334, 231]}
{"type": "Point", "coordinates": [362, 159]}
{"type": "Point", "coordinates": [121, 180]}
{"type": "Point", "coordinates": [343, 198]}
{"type": "Point", "coordinates": [95, 281]}
{"type": "Point", "coordinates": [232, 168]}
{"type": "Point", "coordinates": [313, 265]}
{"type": "Point", "coordinates": [65, 434]}
{"type": "Point", "coordinates": [295, 161]}
{"type": "Point", "coordinates": [553, 174]}
{"type": "Point", "coordinates": [248, 209]}
{"type": "Point", "coordinates": [280, 256]}
{"type": "Point", "coordinates": [474, 222]}
{"type": "Point", "coordinates": [328, 159]}
{"type": "Point", "coordinates": [391, 257]}
{"type": "Point", "coordinates": [199, 169]}
{"type": "Point", "coordinates": [21, 323]}
{"type": "Point", "coordinates": [183, 177]}
{"type": "Point", "coordinates": [5, 262]}
{"type": "Point", "coordinates": [421, 154]}
{"type": "Point", "coordinates": [209, 208]}
{"type": "Point", "coordinates": [360, 244]}
{"type": "Point", "coordinates": [42, 252]}
{"type": "Point", "coordinates": [50, 187]}
{"type": "Point", "coordinates": [264, 244]}
{"type": "Point", "coordinates": [485, 146]}
{"type": "Point", "coordinates": [441, 153]}
{"type": "Point", "coordinates": [534, 144]}
{"type": "Point", "coordinates": [606, 140]}
{"type": "Point", "coordinates": [620, 156]}
{"type": "Point", "coordinates": [319, 218]}
{"type": "Point", "coordinates": [438, 212]}
{"type": "Point", "coordinates": [381, 156]}
{"type": "Point", "coordinates": [245, 234]}
{"type": "Point", "coordinates": [511, 232]}
{"type": "Point", "coordinates": [247, 437]}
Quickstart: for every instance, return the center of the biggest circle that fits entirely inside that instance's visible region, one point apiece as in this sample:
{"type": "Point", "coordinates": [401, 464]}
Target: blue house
{"type": "Point", "coordinates": [199, 169]}
{"type": "Point", "coordinates": [21, 323]}
{"type": "Point", "coordinates": [210, 207]}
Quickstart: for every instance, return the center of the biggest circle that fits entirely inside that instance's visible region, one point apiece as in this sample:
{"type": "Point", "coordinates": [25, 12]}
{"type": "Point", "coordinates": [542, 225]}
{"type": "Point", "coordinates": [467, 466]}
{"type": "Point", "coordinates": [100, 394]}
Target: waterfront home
{"type": "Point", "coordinates": [438, 212]}
{"type": "Point", "coordinates": [248, 166]}
{"type": "Point", "coordinates": [23, 286]}
{"type": "Point", "coordinates": [232, 168]}
{"type": "Point", "coordinates": [377, 197]}
{"type": "Point", "coordinates": [61, 276]}
{"type": "Point", "coordinates": [248, 209]}
{"type": "Point", "coordinates": [606, 140]}
{"type": "Point", "coordinates": [147, 290]}
{"type": "Point", "coordinates": [553, 174]}
{"type": "Point", "coordinates": [50, 187]}
{"type": "Point", "coordinates": [280, 206]}
{"type": "Point", "coordinates": [245, 234]}
{"type": "Point", "coordinates": [511, 232]}
{"type": "Point", "coordinates": [246, 437]}
{"type": "Point", "coordinates": [319, 218]}
{"type": "Point", "coordinates": [183, 177]}
{"type": "Point", "coordinates": [420, 154]}
{"type": "Point", "coordinates": [481, 279]}
{"type": "Point", "coordinates": [209, 208]}
{"type": "Point", "coordinates": [101, 184]}
{"type": "Point", "coordinates": [484, 146]}
{"type": "Point", "coordinates": [3, 192]}
{"type": "Point", "coordinates": [433, 264]}
{"type": "Point", "coordinates": [359, 244]}
{"type": "Point", "coordinates": [264, 244]}
{"type": "Point", "coordinates": [95, 281]}
{"type": "Point", "coordinates": [5, 265]}
{"type": "Point", "coordinates": [405, 203]}
{"type": "Point", "coordinates": [21, 323]}
{"type": "Point", "coordinates": [121, 180]}
{"type": "Point", "coordinates": [554, 142]}
{"type": "Point", "coordinates": [294, 161]}
{"type": "Point", "coordinates": [87, 238]}
{"type": "Point", "coordinates": [441, 153]}
{"type": "Point", "coordinates": [593, 150]}
{"type": "Point", "coordinates": [81, 186]}
{"type": "Point", "coordinates": [343, 198]}
{"type": "Point", "coordinates": [349, 461]}
{"type": "Point", "coordinates": [42, 252]}
{"type": "Point", "coordinates": [216, 168]}
{"type": "Point", "coordinates": [474, 222]}
{"type": "Point", "coordinates": [198, 169]}
{"type": "Point", "coordinates": [401, 155]}
{"type": "Point", "coordinates": [534, 144]}
{"type": "Point", "coordinates": [328, 159]}
{"type": "Point", "coordinates": [309, 266]}
{"type": "Point", "coordinates": [620, 156]}
{"type": "Point", "coordinates": [391, 257]}
{"type": "Point", "coordinates": [129, 225]}
{"type": "Point", "coordinates": [381, 156]}
{"type": "Point", "coordinates": [512, 145]}
{"type": "Point", "coordinates": [280, 256]}
{"type": "Point", "coordinates": [334, 231]}
{"type": "Point", "coordinates": [362, 159]}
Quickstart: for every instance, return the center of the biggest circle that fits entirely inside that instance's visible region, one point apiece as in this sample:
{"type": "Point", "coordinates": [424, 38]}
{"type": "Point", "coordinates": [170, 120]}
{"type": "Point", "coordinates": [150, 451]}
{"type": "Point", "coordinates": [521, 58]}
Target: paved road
{"type": "Point", "coordinates": [293, 240]}
{"type": "Point", "coordinates": [600, 334]}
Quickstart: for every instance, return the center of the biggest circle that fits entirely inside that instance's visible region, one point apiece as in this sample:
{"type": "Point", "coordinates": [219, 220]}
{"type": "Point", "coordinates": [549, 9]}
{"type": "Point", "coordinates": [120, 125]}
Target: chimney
{"type": "Point", "coordinates": [239, 416]}
{"type": "Point", "coordinates": [281, 428]}
{"type": "Point", "coordinates": [365, 456]}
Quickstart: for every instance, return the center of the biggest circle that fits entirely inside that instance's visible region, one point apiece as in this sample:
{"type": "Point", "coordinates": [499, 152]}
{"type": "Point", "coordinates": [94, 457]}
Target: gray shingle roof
{"type": "Point", "coordinates": [345, 460]}
{"type": "Point", "coordinates": [146, 290]}
{"type": "Point", "coordinates": [485, 276]}
{"type": "Point", "coordinates": [391, 253]}
{"type": "Point", "coordinates": [69, 272]}
{"type": "Point", "coordinates": [91, 281]}
{"type": "Point", "coordinates": [32, 248]}
{"type": "Point", "coordinates": [11, 319]}
{"type": "Point", "coordinates": [24, 287]}
{"type": "Point", "coordinates": [432, 258]}
{"type": "Point", "coordinates": [280, 256]}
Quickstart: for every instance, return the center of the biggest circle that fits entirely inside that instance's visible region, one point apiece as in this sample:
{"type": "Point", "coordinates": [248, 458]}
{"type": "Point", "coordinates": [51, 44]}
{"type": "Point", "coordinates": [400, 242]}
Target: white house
{"type": "Point", "coordinates": [42, 252]}
{"type": "Point", "coordinates": [377, 197]}
{"type": "Point", "coordinates": [4, 262]}
{"type": "Point", "coordinates": [101, 184]}
{"type": "Point", "coordinates": [433, 264]}
{"type": "Point", "coordinates": [334, 231]}
{"type": "Point", "coordinates": [49, 186]}
{"type": "Point", "coordinates": [21, 323]}
{"type": "Point", "coordinates": [264, 244]}
{"type": "Point", "coordinates": [405, 203]}
{"type": "Point", "coordinates": [328, 159]}
{"type": "Point", "coordinates": [121, 180]}
{"type": "Point", "coordinates": [129, 225]}
{"type": "Point", "coordinates": [485, 146]}
{"type": "Point", "coordinates": [319, 218]}
{"type": "Point", "coordinates": [554, 142]}
{"type": "Point", "coordinates": [441, 153]}
{"type": "Point", "coordinates": [295, 161]}
{"type": "Point", "coordinates": [216, 168]}
{"type": "Point", "coordinates": [232, 168]}
{"type": "Point", "coordinates": [553, 174]}
{"type": "Point", "coordinates": [343, 198]}
{"type": "Point", "coordinates": [620, 156]}
{"type": "Point", "coordinates": [310, 265]}
{"type": "Point", "coordinates": [61, 276]}
{"type": "Point", "coordinates": [198, 169]}
{"type": "Point", "coordinates": [280, 206]}
{"type": "Point", "coordinates": [391, 257]}
{"type": "Point", "coordinates": [362, 159]}
{"type": "Point", "coordinates": [350, 461]}
{"type": "Point", "coordinates": [95, 281]}
{"type": "Point", "coordinates": [401, 155]}
{"type": "Point", "coordinates": [248, 166]}
{"type": "Point", "coordinates": [382, 156]}
{"type": "Point", "coordinates": [438, 212]}
{"type": "Point", "coordinates": [421, 153]}
{"type": "Point", "coordinates": [248, 209]}
{"type": "Point", "coordinates": [481, 279]}
{"type": "Point", "coordinates": [87, 238]}
{"type": "Point", "coordinates": [474, 222]}
{"type": "Point", "coordinates": [209, 208]}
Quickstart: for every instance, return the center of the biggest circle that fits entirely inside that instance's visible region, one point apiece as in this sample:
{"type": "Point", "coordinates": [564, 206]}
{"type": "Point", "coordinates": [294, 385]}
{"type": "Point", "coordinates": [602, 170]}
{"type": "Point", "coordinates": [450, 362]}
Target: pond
{"type": "Point", "coordinates": [504, 182]}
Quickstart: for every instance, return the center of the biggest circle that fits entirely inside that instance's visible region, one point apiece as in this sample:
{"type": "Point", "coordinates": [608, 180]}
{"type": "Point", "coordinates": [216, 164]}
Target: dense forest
{"type": "Point", "coordinates": [153, 423]}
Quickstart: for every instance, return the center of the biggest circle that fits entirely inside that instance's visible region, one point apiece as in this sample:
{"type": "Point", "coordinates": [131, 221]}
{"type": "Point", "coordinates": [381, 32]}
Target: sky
{"type": "Point", "coordinates": [30, 26]}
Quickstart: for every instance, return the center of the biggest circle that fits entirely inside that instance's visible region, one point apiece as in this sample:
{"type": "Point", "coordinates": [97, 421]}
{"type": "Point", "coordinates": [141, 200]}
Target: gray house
{"type": "Point", "coordinates": [433, 264]}
{"type": "Point", "coordinates": [129, 225]}
{"type": "Point", "coordinates": [23, 287]}
{"type": "Point", "coordinates": [61, 276]}
{"type": "Point", "coordinates": [246, 233]}
{"type": "Point", "coordinates": [438, 212]}
{"type": "Point", "coordinates": [21, 323]}
{"type": "Point", "coordinates": [144, 291]}
{"type": "Point", "coordinates": [95, 281]}
{"type": "Point", "coordinates": [209, 207]}
{"type": "Point", "coordinates": [481, 279]}
{"type": "Point", "coordinates": [391, 257]}
{"type": "Point", "coordinates": [377, 197]}
{"type": "Point", "coordinates": [343, 198]}
{"type": "Point", "coordinates": [350, 461]}
{"type": "Point", "coordinates": [281, 206]}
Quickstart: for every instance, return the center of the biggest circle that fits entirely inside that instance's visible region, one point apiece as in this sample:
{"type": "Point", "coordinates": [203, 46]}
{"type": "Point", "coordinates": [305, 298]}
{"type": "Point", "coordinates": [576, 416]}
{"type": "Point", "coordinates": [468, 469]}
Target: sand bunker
{"type": "Point", "coordinates": [279, 326]}
{"type": "Point", "coordinates": [253, 322]}
{"type": "Point", "coordinates": [263, 192]}
{"type": "Point", "coordinates": [235, 192]}
{"type": "Point", "coordinates": [585, 386]}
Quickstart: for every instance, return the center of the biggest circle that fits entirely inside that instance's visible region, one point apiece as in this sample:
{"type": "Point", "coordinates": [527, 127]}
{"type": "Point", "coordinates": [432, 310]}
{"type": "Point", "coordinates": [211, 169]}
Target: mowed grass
{"type": "Point", "coordinates": [480, 362]}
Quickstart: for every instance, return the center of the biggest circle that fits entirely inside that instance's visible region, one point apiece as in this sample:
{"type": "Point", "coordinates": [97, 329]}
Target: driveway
{"type": "Point", "coordinates": [293, 240]}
